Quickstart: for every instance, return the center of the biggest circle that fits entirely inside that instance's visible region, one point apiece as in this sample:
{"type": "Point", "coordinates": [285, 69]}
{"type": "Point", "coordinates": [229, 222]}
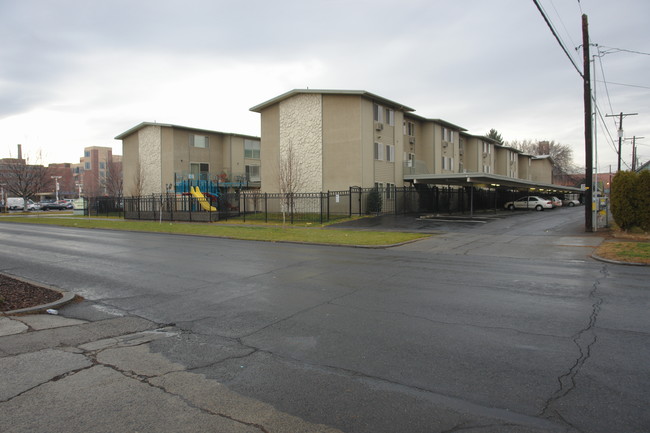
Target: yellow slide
{"type": "Point", "coordinates": [205, 204]}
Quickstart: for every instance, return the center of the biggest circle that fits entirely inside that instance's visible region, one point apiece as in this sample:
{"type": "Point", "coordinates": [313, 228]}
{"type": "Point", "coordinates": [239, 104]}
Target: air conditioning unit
{"type": "Point", "coordinates": [379, 126]}
{"type": "Point", "coordinates": [485, 154]}
{"type": "Point", "coordinates": [411, 140]}
{"type": "Point", "coordinates": [461, 152]}
{"type": "Point", "coordinates": [445, 144]}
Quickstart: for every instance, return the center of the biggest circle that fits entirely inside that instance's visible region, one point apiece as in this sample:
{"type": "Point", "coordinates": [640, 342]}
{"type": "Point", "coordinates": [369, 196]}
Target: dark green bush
{"type": "Point", "coordinates": [630, 200]}
{"type": "Point", "coordinates": [643, 195]}
{"type": "Point", "coordinates": [374, 201]}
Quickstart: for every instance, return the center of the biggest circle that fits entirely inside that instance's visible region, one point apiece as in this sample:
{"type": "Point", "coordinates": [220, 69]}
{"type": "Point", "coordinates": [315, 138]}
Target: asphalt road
{"type": "Point", "coordinates": [505, 325]}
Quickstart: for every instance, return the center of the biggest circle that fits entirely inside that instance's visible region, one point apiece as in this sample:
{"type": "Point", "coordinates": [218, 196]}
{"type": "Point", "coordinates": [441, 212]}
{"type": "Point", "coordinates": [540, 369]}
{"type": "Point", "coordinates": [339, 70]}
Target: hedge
{"type": "Point", "coordinates": [630, 200]}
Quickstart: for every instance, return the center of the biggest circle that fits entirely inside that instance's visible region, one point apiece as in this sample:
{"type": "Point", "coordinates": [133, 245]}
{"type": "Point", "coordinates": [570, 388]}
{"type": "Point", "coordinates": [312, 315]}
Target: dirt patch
{"type": "Point", "coordinates": [16, 294]}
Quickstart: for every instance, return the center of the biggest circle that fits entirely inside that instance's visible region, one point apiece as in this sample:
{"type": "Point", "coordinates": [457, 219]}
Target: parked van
{"type": "Point", "coordinates": [18, 203]}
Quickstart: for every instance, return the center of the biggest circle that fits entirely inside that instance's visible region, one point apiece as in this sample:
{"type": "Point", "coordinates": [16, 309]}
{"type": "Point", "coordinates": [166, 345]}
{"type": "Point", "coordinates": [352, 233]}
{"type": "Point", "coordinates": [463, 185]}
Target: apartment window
{"type": "Point", "coordinates": [253, 173]}
{"type": "Point", "coordinates": [487, 148]}
{"type": "Point", "coordinates": [199, 141]}
{"type": "Point", "coordinates": [377, 112]}
{"type": "Point", "coordinates": [486, 168]}
{"type": "Point", "coordinates": [251, 149]}
{"type": "Point", "coordinates": [447, 135]}
{"type": "Point", "coordinates": [389, 116]}
{"type": "Point", "coordinates": [390, 153]}
{"type": "Point", "coordinates": [200, 170]}
{"type": "Point", "coordinates": [102, 165]}
{"type": "Point", "coordinates": [87, 166]}
{"type": "Point", "coordinates": [447, 163]}
{"type": "Point", "coordinates": [87, 154]}
{"type": "Point", "coordinates": [379, 152]}
{"type": "Point", "coordinates": [409, 129]}
{"type": "Point", "coordinates": [390, 189]}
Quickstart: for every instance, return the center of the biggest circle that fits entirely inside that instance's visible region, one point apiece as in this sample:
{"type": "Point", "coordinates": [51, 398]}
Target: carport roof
{"type": "Point", "coordinates": [484, 179]}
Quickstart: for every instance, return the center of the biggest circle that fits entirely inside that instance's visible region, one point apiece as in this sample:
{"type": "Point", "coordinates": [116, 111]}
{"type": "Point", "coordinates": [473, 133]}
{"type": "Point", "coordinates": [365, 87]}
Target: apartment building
{"type": "Point", "coordinates": [337, 139]}
{"type": "Point", "coordinates": [156, 156]}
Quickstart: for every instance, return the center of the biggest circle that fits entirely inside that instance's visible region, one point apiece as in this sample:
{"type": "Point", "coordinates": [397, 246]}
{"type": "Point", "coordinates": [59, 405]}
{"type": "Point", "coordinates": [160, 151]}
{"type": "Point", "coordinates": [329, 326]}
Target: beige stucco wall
{"type": "Point", "coordinates": [541, 170]}
{"type": "Point", "coordinates": [301, 130]}
{"type": "Point", "coordinates": [343, 146]}
{"type": "Point", "coordinates": [523, 166]}
{"type": "Point", "coordinates": [149, 139]}
{"type": "Point", "coordinates": [270, 153]}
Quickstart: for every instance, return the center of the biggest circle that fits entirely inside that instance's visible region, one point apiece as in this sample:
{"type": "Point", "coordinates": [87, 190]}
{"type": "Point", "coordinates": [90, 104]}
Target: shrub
{"type": "Point", "coordinates": [374, 201]}
{"type": "Point", "coordinates": [630, 200]}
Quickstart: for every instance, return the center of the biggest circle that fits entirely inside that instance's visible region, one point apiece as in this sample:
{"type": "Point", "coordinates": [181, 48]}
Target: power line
{"type": "Point", "coordinates": [618, 50]}
{"type": "Point", "coordinates": [557, 37]}
{"type": "Point", "coordinates": [627, 85]}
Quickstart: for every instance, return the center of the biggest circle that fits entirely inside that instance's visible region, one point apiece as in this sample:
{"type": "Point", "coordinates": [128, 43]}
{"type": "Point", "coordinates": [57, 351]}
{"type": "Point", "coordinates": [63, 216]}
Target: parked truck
{"type": "Point", "coordinates": [18, 203]}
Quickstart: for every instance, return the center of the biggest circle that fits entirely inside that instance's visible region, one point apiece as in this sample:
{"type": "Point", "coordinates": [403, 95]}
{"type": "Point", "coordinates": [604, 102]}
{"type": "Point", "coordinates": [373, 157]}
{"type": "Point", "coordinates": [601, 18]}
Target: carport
{"type": "Point", "coordinates": [506, 185]}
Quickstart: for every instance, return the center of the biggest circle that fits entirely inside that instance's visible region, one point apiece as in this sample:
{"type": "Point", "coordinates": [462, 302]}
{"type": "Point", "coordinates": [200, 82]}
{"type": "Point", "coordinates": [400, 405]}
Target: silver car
{"type": "Point", "coordinates": [530, 202]}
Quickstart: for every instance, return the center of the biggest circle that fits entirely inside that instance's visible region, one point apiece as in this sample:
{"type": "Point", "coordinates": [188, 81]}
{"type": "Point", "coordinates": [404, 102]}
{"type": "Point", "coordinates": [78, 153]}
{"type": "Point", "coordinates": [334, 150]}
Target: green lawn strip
{"type": "Point", "coordinates": [633, 250]}
{"type": "Point", "coordinates": [261, 233]}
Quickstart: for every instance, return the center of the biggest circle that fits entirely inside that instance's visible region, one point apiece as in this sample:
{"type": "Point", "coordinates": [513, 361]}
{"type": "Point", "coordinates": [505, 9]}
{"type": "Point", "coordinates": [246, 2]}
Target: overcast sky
{"type": "Point", "coordinates": [76, 73]}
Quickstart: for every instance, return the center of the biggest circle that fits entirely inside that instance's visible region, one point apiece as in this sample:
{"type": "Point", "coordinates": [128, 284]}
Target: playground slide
{"type": "Point", "coordinates": [205, 204]}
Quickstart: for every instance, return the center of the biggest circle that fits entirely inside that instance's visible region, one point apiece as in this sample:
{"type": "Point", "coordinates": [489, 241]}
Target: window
{"type": "Point", "coordinates": [409, 129]}
{"type": "Point", "coordinates": [389, 116]}
{"type": "Point", "coordinates": [253, 173]}
{"type": "Point", "coordinates": [199, 141]}
{"type": "Point", "coordinates": [200, 170]}
{"type": "Point", "coordinates": [87, 154]}
{"type": "Point", "coordinates": [379, 151]}
{"type": "Point", "coordinates": [487, 148]}
{"type": "Point", "coordinates": [102, 165]}
{"type": "Point", "coordinates": [390, 188]}
{"type": "Point", "coordinates": [390, 153]}
{"type": "Point", "coordinates": [251, 149]}
{"type": "Point", "coordinates": [447, 163]}
{"type": "Point", "coordinates": [447, 135]}
{"type": "Point", "coordinates": [87, 166]}
{"type": "Point", "coordinates": [377, 113]}
{"type": "Point", "coordinates": [486, 168]}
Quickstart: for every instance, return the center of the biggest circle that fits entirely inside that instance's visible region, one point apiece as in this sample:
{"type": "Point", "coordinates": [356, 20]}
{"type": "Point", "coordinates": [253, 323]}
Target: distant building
{"type": "Point", "coordinates": [94, 170]}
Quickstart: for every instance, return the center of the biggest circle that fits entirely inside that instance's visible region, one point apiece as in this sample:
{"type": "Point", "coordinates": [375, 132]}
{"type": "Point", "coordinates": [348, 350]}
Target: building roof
{"type": "Point", "coordinates": [258, 108]}
{"type": "Point", "coordinates": [440, 121]}
{"type": "Point", "coordinates": [169, 125]}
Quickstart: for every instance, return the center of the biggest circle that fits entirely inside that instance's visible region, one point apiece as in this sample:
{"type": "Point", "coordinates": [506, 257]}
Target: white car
{"type": "Point", "coordinates": [530, 202]}
{"type": "Point", "coordinates": [570, 202]}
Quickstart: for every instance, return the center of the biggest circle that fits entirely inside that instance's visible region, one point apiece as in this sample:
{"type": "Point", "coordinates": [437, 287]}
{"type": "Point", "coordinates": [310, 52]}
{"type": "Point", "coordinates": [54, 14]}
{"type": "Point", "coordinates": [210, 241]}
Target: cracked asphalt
{"type": "Point", "coordinates": [501, 325]}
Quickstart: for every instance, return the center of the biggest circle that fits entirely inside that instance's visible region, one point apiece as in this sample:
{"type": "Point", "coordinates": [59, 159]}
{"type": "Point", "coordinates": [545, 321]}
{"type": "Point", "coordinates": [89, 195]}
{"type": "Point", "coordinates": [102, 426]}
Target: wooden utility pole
{"type": "Point", "coordinates": [620, 133]}
{"type": "Point", "coordinates": [586, 76]}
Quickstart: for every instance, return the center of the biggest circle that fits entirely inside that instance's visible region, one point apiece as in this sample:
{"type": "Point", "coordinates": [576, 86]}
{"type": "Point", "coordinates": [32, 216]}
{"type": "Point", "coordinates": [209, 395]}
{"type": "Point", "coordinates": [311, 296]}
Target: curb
{"type": "Point", "coordinates": [616, 262]}
{"type": "Point", "coordinates": [66, 298]}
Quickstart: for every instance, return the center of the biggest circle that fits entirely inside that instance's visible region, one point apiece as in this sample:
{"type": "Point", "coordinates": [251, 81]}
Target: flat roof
{"type": "Point", "coordinates": [477, 178]}
{"type": "Point", "coordinates": [169, 125]}
{"type": "Point", "coordinates": [258, 108]}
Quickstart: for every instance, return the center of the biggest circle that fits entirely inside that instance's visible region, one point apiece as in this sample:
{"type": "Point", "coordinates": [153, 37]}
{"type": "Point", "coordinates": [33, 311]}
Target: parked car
{"type": "Point", "coordinates": [555, 201]}
{"type": "Point", "coordinates": [570, 202]}
{"type": "Point", "coordinates": [52, 205]}
{"type": "Point", "coordinates": [530, 202]}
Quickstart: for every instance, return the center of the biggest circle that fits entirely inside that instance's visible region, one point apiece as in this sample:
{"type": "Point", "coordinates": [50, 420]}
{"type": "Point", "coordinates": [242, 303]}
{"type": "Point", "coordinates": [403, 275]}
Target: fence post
{"type": "Point", "coordinates": [266, 207]}
{"type": "Point", "coordinates": [321, 207]}
{"type": "Point", "coordinates": [329, 197]}
{"type": "Point", "coordinates": [243, 198]}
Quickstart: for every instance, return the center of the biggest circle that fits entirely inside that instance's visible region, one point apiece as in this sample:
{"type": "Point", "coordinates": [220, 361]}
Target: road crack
{"type": "Point", "coordinates": [584, 340]}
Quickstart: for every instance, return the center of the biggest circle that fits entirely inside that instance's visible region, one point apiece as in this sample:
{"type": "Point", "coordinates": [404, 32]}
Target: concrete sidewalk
{"type": "Point", "coordinates": [69, 375]}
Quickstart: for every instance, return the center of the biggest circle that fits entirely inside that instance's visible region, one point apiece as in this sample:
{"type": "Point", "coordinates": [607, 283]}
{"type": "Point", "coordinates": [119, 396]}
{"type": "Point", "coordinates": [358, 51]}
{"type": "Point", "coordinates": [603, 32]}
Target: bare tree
{"type": "Point", "coordinates": [562, 154]}
{"type": "Point", "coordinates": [113, 181]}
{"type": "Point", "coordinates": [290, 178]}
{"type": "Point", "coordinates": [23, 180]}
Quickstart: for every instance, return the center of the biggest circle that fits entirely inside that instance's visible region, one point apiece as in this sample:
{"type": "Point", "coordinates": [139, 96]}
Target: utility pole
{"type": "Point", "coordinates": [634, 158]}
{"type": "Point", "coordinates": [620, 132]}
{"type": "Point", "coordinates": [586, 76]}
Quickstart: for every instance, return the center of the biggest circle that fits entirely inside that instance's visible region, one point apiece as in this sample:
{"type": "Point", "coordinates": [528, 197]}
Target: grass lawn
{"type": "Point", "coordinates": [625, 251]}
{"type": "Point", "coordinates": [270, 233]}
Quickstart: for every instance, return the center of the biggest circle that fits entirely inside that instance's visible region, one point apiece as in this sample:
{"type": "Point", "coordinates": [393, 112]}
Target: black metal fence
{"type": "Point", "coordinates": [249, 205]}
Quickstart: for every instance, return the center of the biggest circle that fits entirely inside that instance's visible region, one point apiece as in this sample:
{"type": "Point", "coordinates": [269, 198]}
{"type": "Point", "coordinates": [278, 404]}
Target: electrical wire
{"type": "Point", "coordinates": [557, 37]}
